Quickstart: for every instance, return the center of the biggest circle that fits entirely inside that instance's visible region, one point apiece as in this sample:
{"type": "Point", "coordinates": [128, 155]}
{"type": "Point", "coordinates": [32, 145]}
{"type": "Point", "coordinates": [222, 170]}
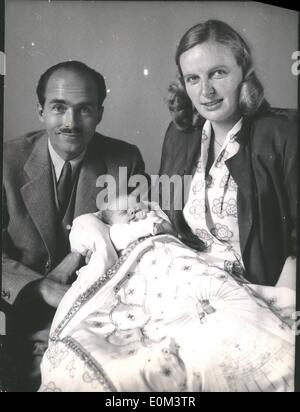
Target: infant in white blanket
{"type": "Point", "coordinates": [102, 235]}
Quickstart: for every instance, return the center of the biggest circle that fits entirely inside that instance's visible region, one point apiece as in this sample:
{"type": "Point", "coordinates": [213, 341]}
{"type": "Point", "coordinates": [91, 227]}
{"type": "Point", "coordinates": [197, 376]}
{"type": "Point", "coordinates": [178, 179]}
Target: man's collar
{"type": "Point", "coordinates": [58, 162]}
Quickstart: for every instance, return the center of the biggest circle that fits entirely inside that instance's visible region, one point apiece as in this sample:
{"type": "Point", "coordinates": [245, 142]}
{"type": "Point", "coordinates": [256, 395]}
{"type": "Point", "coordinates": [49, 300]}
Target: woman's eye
{"type": "Point", "coordinates": [192, 79]}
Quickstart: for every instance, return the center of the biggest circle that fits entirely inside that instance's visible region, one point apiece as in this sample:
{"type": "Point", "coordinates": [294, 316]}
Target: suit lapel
{"type": "Point", "coordinates": [38, 193]}
{"type": "Point", "coordinates": [240, 168]}
{"type": "Point", "coordinates": [92, 167]}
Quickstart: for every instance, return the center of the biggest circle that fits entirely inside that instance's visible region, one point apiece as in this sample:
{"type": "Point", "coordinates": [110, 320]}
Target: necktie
{"type": "Point", "coordinates": [64, 188]}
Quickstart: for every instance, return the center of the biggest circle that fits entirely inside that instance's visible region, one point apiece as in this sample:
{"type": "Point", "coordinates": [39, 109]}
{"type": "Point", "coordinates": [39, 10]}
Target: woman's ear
{"type": "Point", "coordinates": [40, 110]}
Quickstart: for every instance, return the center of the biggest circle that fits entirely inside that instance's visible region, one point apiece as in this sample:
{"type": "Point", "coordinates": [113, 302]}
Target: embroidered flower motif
{"type": "Point", "coordinates": [198, 208]}
{"type": "Point", "coordinates": [227, 180]}
{"type": "Point", "coordinates": [56, 353]}
{"type": "Point", "coordinates": [221, 208]}
{"type": "Point", "coordinates": [51, 387]}
{"type": "Point", "coordinates": [71, 367]}
{"type": "Point", "coordinates": [206, 238]}
{"type": "Point", "coordinates": [217, 207]}
{"type": "Point", "coordinates": [222, 232]}
{"type": "Point", "coordinates": [197, 186]}
{"type": "Point", "coordinates": [199, 167]}
{"type": "Point", "coordinates": [232, 184]}
{"type": "Point", "coordinates": [231, 208]}
{"type": "Point", "coordinates": [90, 375]}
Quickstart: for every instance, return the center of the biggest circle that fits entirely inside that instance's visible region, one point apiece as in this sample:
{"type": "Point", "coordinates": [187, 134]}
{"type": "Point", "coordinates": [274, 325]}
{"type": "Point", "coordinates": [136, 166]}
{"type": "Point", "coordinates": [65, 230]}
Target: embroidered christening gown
{"type": "Point", "coordinates": [168, 318]}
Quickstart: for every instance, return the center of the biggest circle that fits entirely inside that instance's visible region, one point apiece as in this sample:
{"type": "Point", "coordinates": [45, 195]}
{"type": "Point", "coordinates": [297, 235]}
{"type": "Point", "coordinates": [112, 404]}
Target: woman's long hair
{"type": "Point", "coordinates": [251, 93]}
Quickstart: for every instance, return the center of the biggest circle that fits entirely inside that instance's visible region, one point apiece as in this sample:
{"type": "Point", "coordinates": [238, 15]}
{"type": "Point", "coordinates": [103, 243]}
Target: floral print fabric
{"type": "Point", "coordinates": [211, 209]}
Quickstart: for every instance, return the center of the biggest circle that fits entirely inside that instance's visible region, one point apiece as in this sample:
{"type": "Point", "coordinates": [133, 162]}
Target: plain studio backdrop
{"type": "Point", "coordinates": [133, 45]}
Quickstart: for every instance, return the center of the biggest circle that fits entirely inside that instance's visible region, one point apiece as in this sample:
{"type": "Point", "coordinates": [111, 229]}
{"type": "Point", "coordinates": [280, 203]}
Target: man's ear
{"type": "Point", "coordinates": [40, 110]}
{"type": "Point", "coordinates": [100, 114]}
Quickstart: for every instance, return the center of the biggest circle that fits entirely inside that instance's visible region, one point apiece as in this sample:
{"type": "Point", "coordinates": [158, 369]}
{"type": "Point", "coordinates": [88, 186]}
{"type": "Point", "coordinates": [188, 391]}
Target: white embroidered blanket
{"type": "Point", "coordinates": [164, 319]}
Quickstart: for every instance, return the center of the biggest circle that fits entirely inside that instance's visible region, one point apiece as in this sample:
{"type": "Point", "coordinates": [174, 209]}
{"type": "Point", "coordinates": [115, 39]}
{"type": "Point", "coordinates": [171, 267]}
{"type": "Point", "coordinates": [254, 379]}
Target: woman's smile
{"type": "Point", "coordinates": [213, 105]}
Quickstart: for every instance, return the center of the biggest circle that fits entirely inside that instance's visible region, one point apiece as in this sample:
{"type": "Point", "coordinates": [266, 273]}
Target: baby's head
{"type": "Point", "coordinates": [123, 209]}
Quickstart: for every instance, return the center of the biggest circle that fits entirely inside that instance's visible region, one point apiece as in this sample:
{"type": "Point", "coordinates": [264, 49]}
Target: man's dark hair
{"type": "Point", "coordinates": [76, 66]}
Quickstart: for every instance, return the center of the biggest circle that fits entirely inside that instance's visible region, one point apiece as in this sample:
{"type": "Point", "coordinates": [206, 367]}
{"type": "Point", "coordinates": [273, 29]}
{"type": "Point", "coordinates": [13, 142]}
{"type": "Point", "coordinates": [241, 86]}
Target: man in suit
{"type": "Point", "coordinates": [49, 179]}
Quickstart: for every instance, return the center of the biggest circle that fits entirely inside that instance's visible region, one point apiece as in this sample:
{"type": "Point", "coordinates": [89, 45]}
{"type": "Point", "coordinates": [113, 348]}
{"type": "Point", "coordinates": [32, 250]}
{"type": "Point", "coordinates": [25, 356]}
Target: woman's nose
{"type": "Point", "coordinates": [207, 89]}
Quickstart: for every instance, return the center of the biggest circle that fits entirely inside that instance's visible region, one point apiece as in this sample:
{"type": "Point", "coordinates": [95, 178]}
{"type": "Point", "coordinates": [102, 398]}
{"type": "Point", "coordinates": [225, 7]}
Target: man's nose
{"type": "Point", "coordinates": [207, 88]}
{"type": "Point", "coordinates": [70, 118]}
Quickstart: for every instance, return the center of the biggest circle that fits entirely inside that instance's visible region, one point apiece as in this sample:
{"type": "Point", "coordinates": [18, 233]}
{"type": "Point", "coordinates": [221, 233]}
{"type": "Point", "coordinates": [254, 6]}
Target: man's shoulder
{"type": "Point", "coordinates": [112, 145]}
{"type": "Point", "coordinates": [23, 144]}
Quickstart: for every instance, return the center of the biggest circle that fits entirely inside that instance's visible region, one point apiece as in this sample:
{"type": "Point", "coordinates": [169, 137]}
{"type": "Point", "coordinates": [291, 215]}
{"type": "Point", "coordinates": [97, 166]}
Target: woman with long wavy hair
{"type": "Point", "coordinates": [241, 203]}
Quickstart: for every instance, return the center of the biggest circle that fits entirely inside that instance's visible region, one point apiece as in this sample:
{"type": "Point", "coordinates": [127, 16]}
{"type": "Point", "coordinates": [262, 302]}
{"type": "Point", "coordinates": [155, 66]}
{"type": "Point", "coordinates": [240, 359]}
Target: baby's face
{"type": "Point", "coordinates": [127, 210]}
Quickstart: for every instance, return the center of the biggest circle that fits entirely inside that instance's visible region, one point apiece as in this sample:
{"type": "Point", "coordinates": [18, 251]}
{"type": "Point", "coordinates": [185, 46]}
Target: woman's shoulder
{"type": "Point", "coordinates": [175, 136]}
{"type": "Point", "coordinates": [274, 125]}
{"type": "Point", "coordinates": [175, 132]}
{"type": "Point", "coordinates": [276, 118]}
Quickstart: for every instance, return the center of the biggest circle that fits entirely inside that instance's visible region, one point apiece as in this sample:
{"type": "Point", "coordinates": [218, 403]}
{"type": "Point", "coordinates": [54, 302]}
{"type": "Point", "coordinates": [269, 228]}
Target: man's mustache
{"type": "Point", "coordinates": [67, 130]}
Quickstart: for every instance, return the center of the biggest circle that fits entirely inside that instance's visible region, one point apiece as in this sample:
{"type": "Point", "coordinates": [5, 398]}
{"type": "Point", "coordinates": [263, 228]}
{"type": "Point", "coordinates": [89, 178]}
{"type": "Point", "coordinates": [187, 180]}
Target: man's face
{"type": "Point", "coordinates": [71, 112]}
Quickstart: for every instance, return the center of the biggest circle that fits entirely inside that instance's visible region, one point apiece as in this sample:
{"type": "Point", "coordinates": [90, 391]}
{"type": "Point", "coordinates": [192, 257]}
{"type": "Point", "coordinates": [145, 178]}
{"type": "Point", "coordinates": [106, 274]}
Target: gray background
{"type": "Point", "coordinates": [122, 40]}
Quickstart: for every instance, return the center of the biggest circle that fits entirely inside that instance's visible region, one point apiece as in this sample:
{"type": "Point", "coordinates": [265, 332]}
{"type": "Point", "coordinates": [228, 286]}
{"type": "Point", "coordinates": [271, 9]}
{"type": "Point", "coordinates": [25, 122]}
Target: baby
{"type": "Point", "coordinates": [102, 236]}
{"type": "Point", "coordinates": [109, 231]}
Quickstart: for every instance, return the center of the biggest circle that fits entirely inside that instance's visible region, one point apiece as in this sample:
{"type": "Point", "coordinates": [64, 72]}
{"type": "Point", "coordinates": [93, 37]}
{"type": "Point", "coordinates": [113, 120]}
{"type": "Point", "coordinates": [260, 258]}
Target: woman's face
{"type": "Point", "coordinates": [212, 79]}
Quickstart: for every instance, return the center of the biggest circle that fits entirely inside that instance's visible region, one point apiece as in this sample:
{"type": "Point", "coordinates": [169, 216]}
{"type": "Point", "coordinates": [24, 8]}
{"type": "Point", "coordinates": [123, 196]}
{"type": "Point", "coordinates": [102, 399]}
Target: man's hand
{"type": "Point", "coordinates": [50, 291]}
{"type": "Point", "coordinates": [55, 285]}
{"type": "Point", "coordinates": [66, 268]}
{"type": "Point", "coordinates": [52, 288]}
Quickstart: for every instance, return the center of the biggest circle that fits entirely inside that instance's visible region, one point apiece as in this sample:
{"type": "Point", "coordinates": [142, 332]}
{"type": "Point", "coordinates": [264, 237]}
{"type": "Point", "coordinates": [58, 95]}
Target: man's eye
{"type": "Point", "coordinates": [218, 74]}
{"type": "Point", "coordinates": [58, 108]}
{"type": "Point", "coordinates": [85, 110]}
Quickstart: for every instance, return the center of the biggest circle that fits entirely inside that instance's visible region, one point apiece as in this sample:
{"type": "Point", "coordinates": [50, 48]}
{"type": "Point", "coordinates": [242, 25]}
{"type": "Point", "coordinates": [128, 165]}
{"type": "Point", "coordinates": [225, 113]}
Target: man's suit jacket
{"type": "Point", "coordinates": [265, 170]}
{"type": "Point", "coordinates": [29, 210]}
